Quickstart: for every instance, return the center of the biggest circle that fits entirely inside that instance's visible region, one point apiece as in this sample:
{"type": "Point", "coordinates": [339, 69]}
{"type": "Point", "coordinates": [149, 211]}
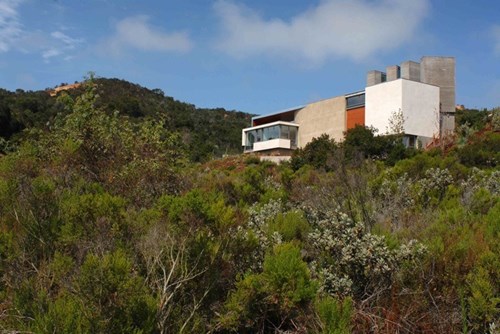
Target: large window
{"type": "Point", "coordinates": [281, 131]}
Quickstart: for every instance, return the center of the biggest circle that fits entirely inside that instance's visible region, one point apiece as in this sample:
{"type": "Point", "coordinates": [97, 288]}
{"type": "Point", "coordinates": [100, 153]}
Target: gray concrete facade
{"type": "Point", "coordinates": [440, 71]}
{"type": "Point", "coordinates": [393, 72]}
{"type": "Point", "coordinates": [410, 70]}
{"type": "Point", "coordinates": [374, 77]}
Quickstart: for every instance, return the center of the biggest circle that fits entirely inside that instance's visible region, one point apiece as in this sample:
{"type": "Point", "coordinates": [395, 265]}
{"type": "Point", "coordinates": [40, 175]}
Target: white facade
{"type": "Point", "coordinates": [272, 144]}
{"type": "Point", "coordinates": [274, 135]}
{"type": "Point", "coordinates": [418, 102]}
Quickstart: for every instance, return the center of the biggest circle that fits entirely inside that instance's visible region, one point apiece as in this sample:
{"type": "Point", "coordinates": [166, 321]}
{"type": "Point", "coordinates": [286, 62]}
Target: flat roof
{"type": "Point", "coordinates": [279, 112]}
{"type": "Point", "coordinates": [267, 125]}
{"type": "Point", "coordinates": [355, 93]}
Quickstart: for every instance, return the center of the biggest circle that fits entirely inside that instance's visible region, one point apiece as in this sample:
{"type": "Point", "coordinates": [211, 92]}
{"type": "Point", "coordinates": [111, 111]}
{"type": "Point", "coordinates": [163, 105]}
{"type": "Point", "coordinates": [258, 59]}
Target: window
{"type": "Point", "coordinates": [293, 137]}
{"type": "Point", "coordinates": [411, 141]}
{"type": "Point", "coordinates": [272, 132]}
{"type": "Point", "coordinates": [355, 101]}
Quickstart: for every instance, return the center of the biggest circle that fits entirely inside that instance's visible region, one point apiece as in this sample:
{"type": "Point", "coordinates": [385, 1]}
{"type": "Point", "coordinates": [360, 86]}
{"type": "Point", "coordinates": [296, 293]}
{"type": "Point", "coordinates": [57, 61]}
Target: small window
{"type": "Point", "coordinates": [355, 101]}
{"type": "Point", "coordinates": [411, 141]}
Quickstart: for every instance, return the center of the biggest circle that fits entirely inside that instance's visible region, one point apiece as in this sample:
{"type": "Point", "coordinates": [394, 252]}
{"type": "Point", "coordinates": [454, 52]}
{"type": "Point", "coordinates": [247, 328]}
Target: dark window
{"type": "Point", "coordinates": [411, 142]}
{"type": "Point", "coordinates": [355, 101]}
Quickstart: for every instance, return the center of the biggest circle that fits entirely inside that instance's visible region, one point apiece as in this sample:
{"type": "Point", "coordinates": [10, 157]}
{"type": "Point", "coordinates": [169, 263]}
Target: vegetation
{"type": "Point", "coordinates": [206, 132]}
{"type": "Point", "coordinates": [108, 226]}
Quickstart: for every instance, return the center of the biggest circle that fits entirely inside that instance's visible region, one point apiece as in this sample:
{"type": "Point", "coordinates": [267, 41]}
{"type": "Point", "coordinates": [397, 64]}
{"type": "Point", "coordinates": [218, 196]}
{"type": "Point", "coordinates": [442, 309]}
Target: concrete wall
{"type": "Point", "coordinates": [374, 78]}
{"type": "Point", "coordinates": [277, 159]}
{"type": "Point", "coordinates": [326, 116]}
{"type": "Point", "coordinates": [410, 70]}
{"type": "Point", "coordinates": [271, 144]}
{"type": "Point", "coordinates": [440, 71]}
{"type": "Point", "coordinates": [418, 102]}
{"type": "Point", "coordinates": [447, 124]}
{"type": "Point", "coordinates": [393, 72]}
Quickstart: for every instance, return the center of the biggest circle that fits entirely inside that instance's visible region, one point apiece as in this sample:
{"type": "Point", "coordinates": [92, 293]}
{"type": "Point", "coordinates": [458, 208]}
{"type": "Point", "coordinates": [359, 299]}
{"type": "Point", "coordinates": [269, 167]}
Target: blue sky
{"type": "Point", "coordinates": [255, 56]}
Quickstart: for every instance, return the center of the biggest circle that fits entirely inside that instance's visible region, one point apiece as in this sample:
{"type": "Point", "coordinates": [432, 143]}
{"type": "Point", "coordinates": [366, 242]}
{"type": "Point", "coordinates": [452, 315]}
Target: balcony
{"type": "Point", "coordinates": [275, 135]}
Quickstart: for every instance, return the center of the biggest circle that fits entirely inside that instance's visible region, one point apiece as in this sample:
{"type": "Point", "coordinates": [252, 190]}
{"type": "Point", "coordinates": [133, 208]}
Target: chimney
{"type": "Point", "coordinates": [393, 72]}
{"type": "Point", "coordinates": [410, 70]}
{"type": "Point", "coordinates": [374, 77]}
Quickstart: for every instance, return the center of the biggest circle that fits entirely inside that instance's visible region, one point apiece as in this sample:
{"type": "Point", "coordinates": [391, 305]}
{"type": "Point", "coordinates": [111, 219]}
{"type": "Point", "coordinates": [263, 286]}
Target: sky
{"type": "Point", "coordinates": [256, 56]}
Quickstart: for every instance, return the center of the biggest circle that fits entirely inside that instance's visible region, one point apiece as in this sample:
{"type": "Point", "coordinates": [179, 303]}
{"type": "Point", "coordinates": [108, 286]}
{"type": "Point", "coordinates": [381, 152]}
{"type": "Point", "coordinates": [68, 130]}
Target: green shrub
{"type": "Point", "coordinates": [273, 299]}
{"type": "Point", "coordinates": [484, 300]}
{"type": "Point", "coordinates": [291, 225]}
{"type": "Point", "coordinates": [335, 315]}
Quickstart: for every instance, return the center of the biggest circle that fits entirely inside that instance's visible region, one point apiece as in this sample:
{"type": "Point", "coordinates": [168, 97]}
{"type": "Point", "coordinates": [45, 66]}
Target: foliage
{"type": "Point", "coordinates": [472, 117]}
{"type": "Point", "coordinates": [359, 143]}
{"type": "Point", "coordinates": [206, 132]}
{"type": "Point", "coordinates": [106, 225]}
{"type": "Point", "coordinates": [317, 153]}
{"type": "Point", "coordinates": [271, 299]}
{"type": "Point", "coordinates": [335, 315]}
{"type": "Point", "coordinates": [481, 151]}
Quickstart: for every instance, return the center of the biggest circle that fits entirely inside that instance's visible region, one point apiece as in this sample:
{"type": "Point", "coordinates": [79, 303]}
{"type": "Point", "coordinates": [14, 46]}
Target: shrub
{"type": "Point", "coordinates": [335, 315]}
{"type": "Point", "coordinates": [273, 299]}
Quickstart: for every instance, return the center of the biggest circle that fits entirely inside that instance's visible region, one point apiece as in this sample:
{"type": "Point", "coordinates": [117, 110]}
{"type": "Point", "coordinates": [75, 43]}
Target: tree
{"type": "Point", "coordinates": [317, 153]}
{"type": "Point", "coordinates": [274, 299]}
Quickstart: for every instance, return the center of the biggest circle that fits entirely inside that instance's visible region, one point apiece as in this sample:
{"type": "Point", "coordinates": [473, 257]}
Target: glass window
{"type": "Point", "coordinates": [265, 135]}
{"type": "Point", "coordinates": [273, 132]}
{"type": "Point", "coordinates": [250, 138]}
{"type": "Point", "coordinates": [285, 132]}
{"type": "Point", "coordinates": [355, 101]}
{"type": "Point", "coordinates": [293, 136]}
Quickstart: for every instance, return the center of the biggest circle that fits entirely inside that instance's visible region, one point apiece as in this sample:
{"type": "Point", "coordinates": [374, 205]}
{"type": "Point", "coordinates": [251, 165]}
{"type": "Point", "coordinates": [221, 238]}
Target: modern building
{"type": "Point", "coordinates": [421, 95]}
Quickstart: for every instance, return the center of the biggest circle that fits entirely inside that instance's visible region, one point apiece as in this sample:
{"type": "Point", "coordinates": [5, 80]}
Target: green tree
{"type": "Point", "coordinates": [273, 299]}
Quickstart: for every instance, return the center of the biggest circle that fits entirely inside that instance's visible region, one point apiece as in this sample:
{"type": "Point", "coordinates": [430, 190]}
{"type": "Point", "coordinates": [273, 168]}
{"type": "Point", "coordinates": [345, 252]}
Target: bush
{"type": "Point", "coordinates": [335, 315]}
{"type": "Point", "coordinates": [317, 153]}
{"type": "Point", "coordinates": [273, 299]}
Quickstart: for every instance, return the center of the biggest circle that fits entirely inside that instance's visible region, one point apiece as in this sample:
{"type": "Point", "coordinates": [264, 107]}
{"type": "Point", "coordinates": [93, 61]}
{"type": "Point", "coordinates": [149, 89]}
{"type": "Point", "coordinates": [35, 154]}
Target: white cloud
{"type": "Point", "coordinates": [14, 36]}
{"type": "Point", "coordinates": [135, 32]}
{"type": "Point", "coordinates": [50, 53]}
{"type": "Point", "coordinates": [495, 31]}
{"type": "Point", "coordinates": [68, 41]}
{"type": "Point", "coordinates": [59, 46]}
{"type": "Point", "coordinates": [10, 26]}
{"type": "Point", "coordinates": [354, 29]}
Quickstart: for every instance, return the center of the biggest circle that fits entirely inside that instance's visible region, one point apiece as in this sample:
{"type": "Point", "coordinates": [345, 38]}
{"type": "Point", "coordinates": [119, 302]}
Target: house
{"type": "Point", "coordinates": [421, 95]}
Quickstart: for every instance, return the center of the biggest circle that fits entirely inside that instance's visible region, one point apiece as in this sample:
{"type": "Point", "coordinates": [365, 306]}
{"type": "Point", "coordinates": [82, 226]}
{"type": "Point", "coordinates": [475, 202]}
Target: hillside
{"type": "Point", "coordinates": [106, 226]}
{"type": "Point", "coordinates": [206, 132]}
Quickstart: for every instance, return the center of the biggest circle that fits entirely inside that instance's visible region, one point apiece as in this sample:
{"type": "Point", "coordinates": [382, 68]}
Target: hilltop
{"type": "Point", "coordinates": [206, 132]}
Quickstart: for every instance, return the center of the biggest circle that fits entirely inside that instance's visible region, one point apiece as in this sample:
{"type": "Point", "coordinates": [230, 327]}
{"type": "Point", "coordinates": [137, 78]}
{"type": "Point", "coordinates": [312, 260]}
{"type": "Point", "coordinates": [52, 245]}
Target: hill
{"type": "Point", "coordinates": [206, 132]}
{"type": "Point", "coordinates": [107, 227]}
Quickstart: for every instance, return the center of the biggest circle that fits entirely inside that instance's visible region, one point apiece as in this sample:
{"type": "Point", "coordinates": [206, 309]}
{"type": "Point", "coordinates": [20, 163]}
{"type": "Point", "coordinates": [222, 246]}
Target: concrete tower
{"type": "Point", "coordinates": [440, 71]}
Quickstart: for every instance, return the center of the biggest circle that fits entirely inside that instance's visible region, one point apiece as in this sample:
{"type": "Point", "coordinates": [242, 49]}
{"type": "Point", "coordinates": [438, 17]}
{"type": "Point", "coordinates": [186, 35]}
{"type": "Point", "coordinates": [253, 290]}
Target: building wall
{"type": "Point", "coordinates": [272, 144]}
{"type": "Point", "coordinates": [355, 116]}
{"type": "Point", "coordinates": [410, 70]}
{"type": "Point", "coordinates": [418, 102]}
{"type": "Point", "coordinates": [326, 116]}
{"type": "Point", "coordinates": [420, 108]}
{"type": "Point", "coordinates": [440, 71]}
{"type": "Point", "coordinates": [380, 102]}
